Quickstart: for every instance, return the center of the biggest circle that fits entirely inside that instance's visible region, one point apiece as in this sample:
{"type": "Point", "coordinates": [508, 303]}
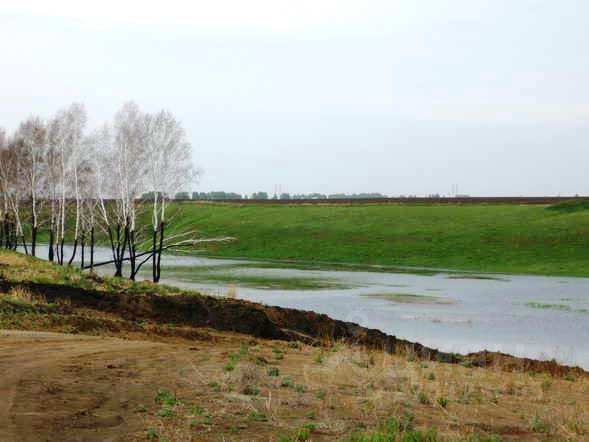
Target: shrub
{"type": "Point", "coordinates": [442, 401]}
{"type": "Point", "coordinates": [287, 382]}
{"type": "Point", "coordinates": [423, 399]}
{"type": "Point", "coordinates": [251, 390]}
{"type": "Point", "coordinates": [396, 430]}
{"type": "Point", "coordinates": [258, 416]}
{"type": "Point", "coordinates": [537, 425]}
{"type": "Point", "coordinates": [273, 371]}
{"type": "Point", "coordinates": [300, 388]}
{"type": "Point", "coordinates": [166, 398]}
{"type": "Point", "coordinates": [229, 366]}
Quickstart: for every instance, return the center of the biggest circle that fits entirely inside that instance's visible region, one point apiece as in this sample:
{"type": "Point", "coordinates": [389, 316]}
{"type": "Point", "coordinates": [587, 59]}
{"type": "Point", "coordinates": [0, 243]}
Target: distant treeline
{"type": "Point", "coordinates": [219, 195]}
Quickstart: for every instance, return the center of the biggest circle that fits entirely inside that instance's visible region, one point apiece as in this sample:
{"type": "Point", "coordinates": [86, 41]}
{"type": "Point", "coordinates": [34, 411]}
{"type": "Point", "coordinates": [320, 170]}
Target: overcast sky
{"type": "Point", "coordinates": [392, 96]}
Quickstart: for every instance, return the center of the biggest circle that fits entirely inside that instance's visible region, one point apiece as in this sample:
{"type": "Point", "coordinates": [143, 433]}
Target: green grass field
{"type": "Point", "coordinates": [484, 238]}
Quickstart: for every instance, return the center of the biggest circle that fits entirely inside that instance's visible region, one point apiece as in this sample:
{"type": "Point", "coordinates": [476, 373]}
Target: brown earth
{"type": "Point", "coordinates": [64, 387]}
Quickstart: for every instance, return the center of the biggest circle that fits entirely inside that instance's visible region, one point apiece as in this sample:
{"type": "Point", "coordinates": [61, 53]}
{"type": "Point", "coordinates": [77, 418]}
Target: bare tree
{"type": "Point", "coordinates": [32, 154]}
{"type": "Point", "coordinates": [93, 184]}
{"type": "Point", "coordinates": [7, 173]}
{"type": "Point", "coordinates": [14, 191]}
{"type": "Point", "coordinates": [100, 185]}
{"type": "Point", "coordinates": [129, 158]}
{"type": "Point", "coordinates": [170, 168]}
{"type": "Point", "coordinates": [65, 138]}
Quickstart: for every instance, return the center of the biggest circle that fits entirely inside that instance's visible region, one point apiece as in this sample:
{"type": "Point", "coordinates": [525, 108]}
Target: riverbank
{"type": "Point", "coordinates": [193, 366]}
{"type": "Point", "coordinates": [508, 239]}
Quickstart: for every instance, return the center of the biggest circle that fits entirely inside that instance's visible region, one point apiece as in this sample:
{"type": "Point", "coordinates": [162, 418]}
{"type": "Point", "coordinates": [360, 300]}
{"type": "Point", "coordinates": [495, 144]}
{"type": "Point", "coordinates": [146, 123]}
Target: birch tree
{"type": "Point", "coordinates": [13, 177]}
{"type": "Point", "coordinates": [32, 155]}
{"type": "Point", "coordinates": [129, 166]}
{"type": "Point", "coordinates": [7, 167]}
{"type": "Point", "coordinates": [66, 135]}
{"type": "Point", "coordinates": [94, 183]}
{"type": "Point", "coordinates": [170, 169]}
{"type": "Point", "coordinates": [100, 185]}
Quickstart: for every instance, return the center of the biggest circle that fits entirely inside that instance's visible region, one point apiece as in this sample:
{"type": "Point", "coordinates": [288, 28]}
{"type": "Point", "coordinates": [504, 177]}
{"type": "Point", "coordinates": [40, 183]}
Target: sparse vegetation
{"type": "Point", "coordinates": [410, 298]}
{"type": "Point", "coordinates": [273, 371]}
{"type": "Point", "coordinates": [561, 307]}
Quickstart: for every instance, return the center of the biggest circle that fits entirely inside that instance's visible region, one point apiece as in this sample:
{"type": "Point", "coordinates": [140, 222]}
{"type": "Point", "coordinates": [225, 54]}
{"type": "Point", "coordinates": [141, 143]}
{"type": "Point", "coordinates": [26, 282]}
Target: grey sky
{"type": "Point", "coordinates": [401, 97]}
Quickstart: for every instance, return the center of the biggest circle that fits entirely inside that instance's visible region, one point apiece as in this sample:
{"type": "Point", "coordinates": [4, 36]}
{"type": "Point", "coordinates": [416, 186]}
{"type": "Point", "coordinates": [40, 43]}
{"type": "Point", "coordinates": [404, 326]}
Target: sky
{"type": "Point", "coordinates": [403, 97]}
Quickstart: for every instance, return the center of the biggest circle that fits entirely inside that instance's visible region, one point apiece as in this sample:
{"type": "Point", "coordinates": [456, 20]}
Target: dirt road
{"type": "Point", "coordinates": [68, 387]}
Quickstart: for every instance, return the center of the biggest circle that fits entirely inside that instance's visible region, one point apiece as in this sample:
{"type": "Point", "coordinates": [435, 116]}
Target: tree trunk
{"type": "Point", "coordinates": [82, 245]}
{"type": "Point", "coordinates": [14, 237]}
{"type": "Point", "coordinates": [51, 241]}
{"type": "Point", "coordinates": [154, 256]}
{"type": "Point", "coordinates": [34, 241]}
{"type": "Point", "coordinates": [92, 249]}
{"type": "Point", "coordinates": [24, 244]}
{"type": "Point", "coordinates": [6, 233]}
{"type": "Point", "coordinates": [159, 253]}
{"type": "Point", "coordinates": [119, 262]}
{"type": "Point", "coordinates": [33, 229]}
{"type": "Point", "coordinates": [131, 244]}
{"type": "Point", "coordinates": [9, 236]}
{"type": "Point", "coordinates": [73, 252]}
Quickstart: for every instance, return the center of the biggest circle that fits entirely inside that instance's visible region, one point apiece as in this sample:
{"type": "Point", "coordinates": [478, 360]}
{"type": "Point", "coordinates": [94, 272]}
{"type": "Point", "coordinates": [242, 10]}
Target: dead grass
{"type": "Point", "coordinates": [332, 393]}
{"type": "Point", "coordinates": [22, 295]}
{"type": "Point", "coordinates": [11, 259]}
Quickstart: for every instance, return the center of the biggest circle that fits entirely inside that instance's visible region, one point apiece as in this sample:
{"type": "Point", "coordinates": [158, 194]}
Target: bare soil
{"type": "Point", "coordinates": [65, 387]}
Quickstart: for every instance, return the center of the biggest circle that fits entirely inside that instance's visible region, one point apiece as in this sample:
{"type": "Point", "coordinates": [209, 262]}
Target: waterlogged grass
{"type": "Point", "coordinates": [334, 266]}
{"type": "Point", "coordinates": [478, 238]}
{"type": "Point", "coordinates": [231, 275]}
{"type": "Point", "coordinates": [475, 276]}
{"type": "Point", "coordinates": [561, 307]}
{"type": "Point", "coordinates": [409, 298]}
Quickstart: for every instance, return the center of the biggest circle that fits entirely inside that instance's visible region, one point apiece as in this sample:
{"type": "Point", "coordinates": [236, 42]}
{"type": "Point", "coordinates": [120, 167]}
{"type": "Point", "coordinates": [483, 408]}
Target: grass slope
{"type": "Point", "coordinates": [490, 238]}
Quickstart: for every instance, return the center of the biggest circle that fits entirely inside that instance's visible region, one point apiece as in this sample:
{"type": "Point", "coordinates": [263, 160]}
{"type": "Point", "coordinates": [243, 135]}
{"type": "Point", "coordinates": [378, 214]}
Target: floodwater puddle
{"type": "Point", "coordinates": [526, 316]}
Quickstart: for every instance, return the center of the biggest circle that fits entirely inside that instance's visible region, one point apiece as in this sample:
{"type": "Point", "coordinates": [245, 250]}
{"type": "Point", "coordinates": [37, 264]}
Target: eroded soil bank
{"type": "Point", "coordinates": [197, 311]}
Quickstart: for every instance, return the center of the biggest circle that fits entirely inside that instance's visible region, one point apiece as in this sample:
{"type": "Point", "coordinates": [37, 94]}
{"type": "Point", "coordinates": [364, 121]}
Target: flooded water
{"type": "Point", "coordinates": [531, 316]}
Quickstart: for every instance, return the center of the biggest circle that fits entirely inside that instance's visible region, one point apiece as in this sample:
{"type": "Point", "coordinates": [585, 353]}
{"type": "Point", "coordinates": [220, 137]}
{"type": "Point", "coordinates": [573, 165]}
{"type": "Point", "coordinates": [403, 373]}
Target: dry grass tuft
{"type": "Point", "coordinates": [12, 259]}
{"type": "Point", "coordinates": [23, 295]}
{"type": "Point", "coordinates": [231, 291]}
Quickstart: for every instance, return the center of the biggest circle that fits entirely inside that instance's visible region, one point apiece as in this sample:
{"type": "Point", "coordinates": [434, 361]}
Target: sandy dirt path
{"type": "Point", "coordinates": [69, 387]}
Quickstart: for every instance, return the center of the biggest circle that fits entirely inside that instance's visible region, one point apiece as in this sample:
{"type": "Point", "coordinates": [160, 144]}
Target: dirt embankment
{"type": "Point", "coordinates": [267, 322]}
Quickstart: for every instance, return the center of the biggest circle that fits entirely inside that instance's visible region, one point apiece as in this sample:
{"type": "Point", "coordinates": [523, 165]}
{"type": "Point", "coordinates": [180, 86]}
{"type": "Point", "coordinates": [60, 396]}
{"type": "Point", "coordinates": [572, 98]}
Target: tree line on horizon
{"type": "Point", "coordinates": [220, 195]}
{"type": "Point", "coordinates": [71, 184]}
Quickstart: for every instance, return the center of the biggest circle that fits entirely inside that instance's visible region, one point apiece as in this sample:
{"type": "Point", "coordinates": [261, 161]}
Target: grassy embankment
{"type": "Point", "coordinates": [481, 238]}
{"type": "Point", "coordinates": [169, 381]}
